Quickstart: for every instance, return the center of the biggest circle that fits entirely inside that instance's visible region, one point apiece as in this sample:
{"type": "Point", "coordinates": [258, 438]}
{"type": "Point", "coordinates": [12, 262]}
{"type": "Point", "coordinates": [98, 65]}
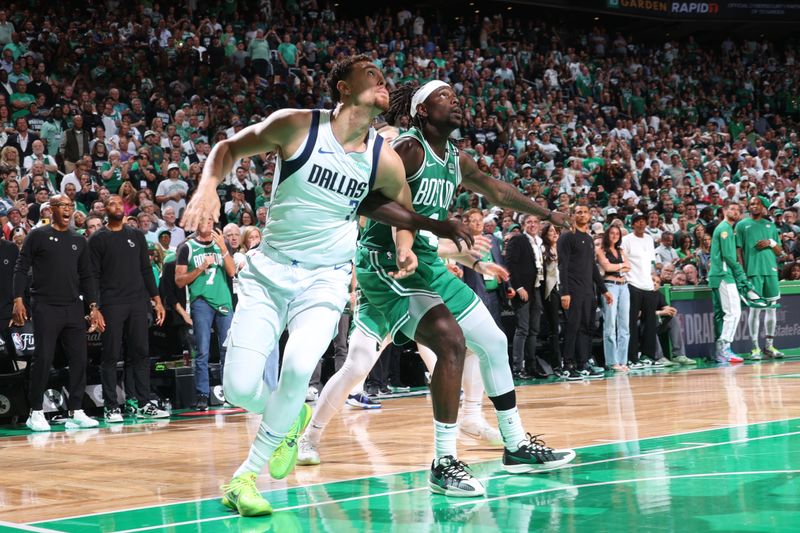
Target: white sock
{"type": "Point", "coordinates": [770, 322]}
{"type": "Point", "coordinates": [510, 425]}
{"type": "Point", "coordinates": [753, 322]}
{"type": "Point", "coordinates": [444, 438]}
{"type": "Point", "coordinates": [260, 451]}
{"type": "Point", "coordinates": [314, 432]}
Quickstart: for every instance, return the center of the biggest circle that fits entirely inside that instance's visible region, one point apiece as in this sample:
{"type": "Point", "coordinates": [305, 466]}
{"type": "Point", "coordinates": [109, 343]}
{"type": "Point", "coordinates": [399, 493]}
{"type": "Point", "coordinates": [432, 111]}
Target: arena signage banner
{"type": "Point", "coordinates": [746, 11]}
{"type": "Point", "coordinates": [697, 321]}
{"type": "Point", "coordinates": [754, 9]}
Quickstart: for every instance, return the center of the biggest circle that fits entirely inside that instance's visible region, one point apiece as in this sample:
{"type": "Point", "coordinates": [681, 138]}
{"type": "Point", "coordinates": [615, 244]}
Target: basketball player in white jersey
{"type": "Point", "coordinates": [328, 163]}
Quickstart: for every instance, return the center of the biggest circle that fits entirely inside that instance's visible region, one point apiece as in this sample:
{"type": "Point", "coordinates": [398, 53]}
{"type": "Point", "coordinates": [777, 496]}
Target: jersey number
{"type": "Point", "coordinates": [353, 208]}
{"type": "Point", "coordinates": [210, 280]}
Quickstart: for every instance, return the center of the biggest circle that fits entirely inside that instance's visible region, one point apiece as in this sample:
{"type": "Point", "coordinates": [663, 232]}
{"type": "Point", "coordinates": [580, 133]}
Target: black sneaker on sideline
{"type": "Point", "coordinates": [451, 477]}
{"type": "Point", "coordinates": [591, 371]}
{"type": "Point", "coordinates": [534, 455]}
{"type": "Point", "coordinates": [572, 374]}
{"type": "Point", "coordinates": [202, 403]}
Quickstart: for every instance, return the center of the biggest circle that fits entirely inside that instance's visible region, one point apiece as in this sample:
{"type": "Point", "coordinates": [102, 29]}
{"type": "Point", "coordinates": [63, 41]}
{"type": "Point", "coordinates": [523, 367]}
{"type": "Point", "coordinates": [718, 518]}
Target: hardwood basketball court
{"type": "Point", "coordinates": [710, 449]}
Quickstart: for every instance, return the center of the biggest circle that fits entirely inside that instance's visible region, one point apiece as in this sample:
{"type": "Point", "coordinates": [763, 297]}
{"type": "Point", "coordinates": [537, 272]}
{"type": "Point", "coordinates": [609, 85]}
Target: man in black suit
{"type": "Point", "coordinates": [525, 261]}
{"type": "Point", "coordinates": [23, 139]}
{"type": "Point", "coordinates": [491, 292]}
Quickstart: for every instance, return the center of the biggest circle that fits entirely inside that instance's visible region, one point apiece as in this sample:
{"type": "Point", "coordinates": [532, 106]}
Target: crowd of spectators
{"type": "Point", "coordinates": [112, 98]}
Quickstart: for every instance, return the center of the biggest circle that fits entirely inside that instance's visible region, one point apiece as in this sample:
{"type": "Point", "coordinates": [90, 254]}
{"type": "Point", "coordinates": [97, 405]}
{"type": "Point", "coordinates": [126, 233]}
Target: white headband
{"type": "Point", "coordinates": [424, 92]}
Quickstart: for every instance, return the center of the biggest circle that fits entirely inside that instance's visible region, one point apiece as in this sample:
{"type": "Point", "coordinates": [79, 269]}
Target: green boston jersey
{"type": "Point", "coordinates": [757, 262]}
{"type": "Point", "coordinates": [211, 285]}
{"type": "Point", "coordinates": [432, 190]}
{"type": "Point", "coordinates": [724, 266]}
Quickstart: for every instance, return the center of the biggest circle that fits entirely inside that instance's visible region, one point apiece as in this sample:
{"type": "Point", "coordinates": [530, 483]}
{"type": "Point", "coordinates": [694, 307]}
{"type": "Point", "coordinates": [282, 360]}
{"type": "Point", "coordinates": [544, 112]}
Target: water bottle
{"type": "Point", "coordinates": [168, 406]}
{"type": "Point", "coordinates": [187, 358]}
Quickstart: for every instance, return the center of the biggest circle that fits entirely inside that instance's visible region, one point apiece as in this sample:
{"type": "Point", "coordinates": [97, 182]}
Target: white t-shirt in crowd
{"type": "Point", "coordinates": [641, 253]}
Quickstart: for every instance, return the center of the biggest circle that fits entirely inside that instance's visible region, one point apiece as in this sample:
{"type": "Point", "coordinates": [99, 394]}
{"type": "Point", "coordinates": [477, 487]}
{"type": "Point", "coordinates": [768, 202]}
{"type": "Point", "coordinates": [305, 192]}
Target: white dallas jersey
{"type": "Point", "coordinates": [312, 213]}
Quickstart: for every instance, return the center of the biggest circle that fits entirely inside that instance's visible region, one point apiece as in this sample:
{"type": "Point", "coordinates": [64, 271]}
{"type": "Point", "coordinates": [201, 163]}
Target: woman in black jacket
{"type": "Point", "coordinates": [551, 299]}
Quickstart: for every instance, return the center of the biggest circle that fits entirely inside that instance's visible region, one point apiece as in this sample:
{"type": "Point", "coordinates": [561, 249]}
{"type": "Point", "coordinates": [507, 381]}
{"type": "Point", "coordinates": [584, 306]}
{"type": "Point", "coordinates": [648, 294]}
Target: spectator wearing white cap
{"type": "Point", "coordinates": [152, 141]}
{"type": "Point", "coordinates": [172, 191]}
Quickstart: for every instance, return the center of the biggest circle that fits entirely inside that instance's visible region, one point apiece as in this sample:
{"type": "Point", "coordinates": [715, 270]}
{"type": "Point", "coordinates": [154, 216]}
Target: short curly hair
{"type": "Point", "coordinates": [341, 69]}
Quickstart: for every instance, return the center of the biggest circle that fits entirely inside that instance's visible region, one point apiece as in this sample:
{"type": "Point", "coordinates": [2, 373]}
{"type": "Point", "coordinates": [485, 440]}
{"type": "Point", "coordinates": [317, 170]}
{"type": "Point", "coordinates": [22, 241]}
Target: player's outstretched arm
{"type": "Point", "coordinates": [504, 194]}
{"type": "Point", "coordinates": [381, 209]}
{"type": "Point", "coordinates": [283, 130]}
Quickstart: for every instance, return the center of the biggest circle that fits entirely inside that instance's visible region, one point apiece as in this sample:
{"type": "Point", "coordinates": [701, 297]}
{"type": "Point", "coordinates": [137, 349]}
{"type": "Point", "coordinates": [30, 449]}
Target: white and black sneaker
{"type": "Point", "coordinates": [451, 477]}
{"type": "Point", "coordinates": [151, 411]}
{"type": "Point", "coordinates": [534, 455]}
{"type": "Point", "coordinates": [113, 415]}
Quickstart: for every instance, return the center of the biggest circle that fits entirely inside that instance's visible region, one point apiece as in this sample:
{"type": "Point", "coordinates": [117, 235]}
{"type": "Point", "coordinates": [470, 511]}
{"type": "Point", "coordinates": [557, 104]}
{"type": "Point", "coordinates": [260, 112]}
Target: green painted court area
{"type": "Point", "coordinates": [742, 478]}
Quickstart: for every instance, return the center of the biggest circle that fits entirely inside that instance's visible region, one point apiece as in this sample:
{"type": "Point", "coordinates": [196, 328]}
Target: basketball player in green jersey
{"type": "Point", "coordinates": [434, 307]}
{"type": "Point", "coordinates": [758, 246]}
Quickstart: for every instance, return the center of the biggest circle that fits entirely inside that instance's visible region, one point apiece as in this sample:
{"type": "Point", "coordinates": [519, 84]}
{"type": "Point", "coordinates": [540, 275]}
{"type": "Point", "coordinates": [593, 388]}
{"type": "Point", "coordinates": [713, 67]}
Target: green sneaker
{"type": "Point", "coordinates": [131, 407]}
{"type": "Point", "coordinates": [242, 496]}
{"type": "Point", "coordinates": [683, 360]}
{"type": "Point", "coordinates": [284, 457]}
{"type": "Point", "coordinates": [755, 354]}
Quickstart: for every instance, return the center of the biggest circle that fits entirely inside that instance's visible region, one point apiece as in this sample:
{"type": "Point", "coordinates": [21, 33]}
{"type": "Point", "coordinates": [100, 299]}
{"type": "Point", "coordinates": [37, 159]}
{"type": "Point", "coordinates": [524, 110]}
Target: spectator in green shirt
{"type": "Point", "coordinates": [258, 50]}
{"type": "Point", "coordinates": [288, 53]}
{"type": "Point", "coordinates": [114, 172]}
{"type": "Point", "coordinates": [21, 100]}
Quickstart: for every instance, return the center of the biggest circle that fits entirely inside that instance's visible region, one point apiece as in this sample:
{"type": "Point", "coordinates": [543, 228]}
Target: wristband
{"type": "Point", "coordinates": [772, 243]}
{"type": "Point", "coordinates": [226, 254]}
{"type": "Point", "coordinates": [475, 264]}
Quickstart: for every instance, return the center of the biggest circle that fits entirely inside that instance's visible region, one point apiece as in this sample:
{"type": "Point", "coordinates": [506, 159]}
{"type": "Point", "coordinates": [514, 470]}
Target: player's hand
{"type": "Point", "coordinates": [608, 296]}
{"type": "Point", "coordinates": [670, 311]}
{"type": "Point", "coordinates": [457, 272]}
{"type": "Point", "coordinates": [560, 219]}
{"type": "Point", "coordinates": [480, 246]}
{"type": "Point", "coordinates": [455, 231]}
{"type": "Point", "coordinates": [523, 295]}
{"type": "Point", "coordinates": [493, 269]}
{"type": "Point", "coordinates": [160, 314]}
{"type": "Point", "coordinates": [565, 301]}
{"type": "Point", "coordinates": [98, 321]}
{"type": "Point", "coordinates": [209, 261]}
{"type": "Point", "coordinates": [763, 244]}
{"type": "Point", "coordinates": [19, 315]}
{"type": "Point", "coordinates": [205, 202]}
{"type": "Point", "coordinates": [406, 264]}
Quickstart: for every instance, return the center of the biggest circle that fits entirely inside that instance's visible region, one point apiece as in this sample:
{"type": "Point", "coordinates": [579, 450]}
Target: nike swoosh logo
{"type": "Point", "coordinates": [325, 151]}
{"type": "Point", "coordinates": [430, 165]}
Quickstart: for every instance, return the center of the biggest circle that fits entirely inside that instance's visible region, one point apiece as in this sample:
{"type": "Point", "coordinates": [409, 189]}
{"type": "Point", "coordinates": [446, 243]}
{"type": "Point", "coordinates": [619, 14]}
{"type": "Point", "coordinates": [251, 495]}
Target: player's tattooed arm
{"type": "Point", "coordinates": [504, 194]}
